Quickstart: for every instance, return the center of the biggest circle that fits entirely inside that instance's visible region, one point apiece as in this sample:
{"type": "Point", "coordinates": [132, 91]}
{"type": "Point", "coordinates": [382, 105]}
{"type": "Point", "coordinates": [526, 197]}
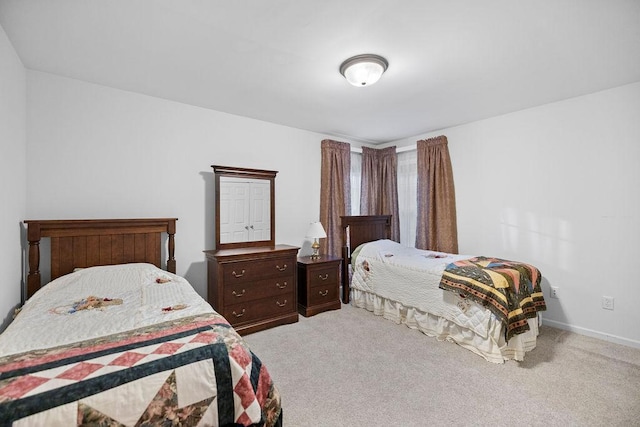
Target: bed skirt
{"type": "Point", "coordinates": [492, 348]}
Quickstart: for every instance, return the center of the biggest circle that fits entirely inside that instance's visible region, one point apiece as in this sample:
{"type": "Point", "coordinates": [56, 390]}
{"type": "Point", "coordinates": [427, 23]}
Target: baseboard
{"type": "Point", "coordinates": [591, 333]}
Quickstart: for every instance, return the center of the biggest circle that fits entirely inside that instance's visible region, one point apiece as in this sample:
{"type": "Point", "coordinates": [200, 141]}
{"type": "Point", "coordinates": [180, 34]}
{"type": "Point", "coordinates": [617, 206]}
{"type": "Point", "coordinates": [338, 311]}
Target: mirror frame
{"type": "Point", "coordinates": [220, 171]}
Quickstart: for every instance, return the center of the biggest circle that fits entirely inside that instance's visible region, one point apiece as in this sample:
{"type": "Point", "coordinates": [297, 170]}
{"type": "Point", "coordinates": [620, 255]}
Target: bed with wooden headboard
{"type": "Point", "coordinates": [485, 304]}
{"type": "Point", "coordinates": [357, 230]}
{"type": "Point", "coordinates": [85, 243]}
{"type": "Point", "coordinates": [115, 339]}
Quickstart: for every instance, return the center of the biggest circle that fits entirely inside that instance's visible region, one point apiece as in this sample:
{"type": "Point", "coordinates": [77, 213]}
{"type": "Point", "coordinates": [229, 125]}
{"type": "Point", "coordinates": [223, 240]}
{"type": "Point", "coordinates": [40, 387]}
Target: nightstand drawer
{"type": "Point", "coordinates": [322, 294]}
{"type": "Point", "coordinates": [323, 276]}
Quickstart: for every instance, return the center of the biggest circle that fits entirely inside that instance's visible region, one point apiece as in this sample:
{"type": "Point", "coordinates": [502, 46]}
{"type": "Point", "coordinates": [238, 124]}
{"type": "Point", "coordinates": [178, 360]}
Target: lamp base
{"type": "Point", "coordinates": [316, 249]}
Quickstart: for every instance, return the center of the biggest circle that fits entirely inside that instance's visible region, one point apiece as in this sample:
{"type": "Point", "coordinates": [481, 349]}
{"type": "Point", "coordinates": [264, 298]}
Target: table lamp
{"type": "Point", "coordinates": [316, 231]}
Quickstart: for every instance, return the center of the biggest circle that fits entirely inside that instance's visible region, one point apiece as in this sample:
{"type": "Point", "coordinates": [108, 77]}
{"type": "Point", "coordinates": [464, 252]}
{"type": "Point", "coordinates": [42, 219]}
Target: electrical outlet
{"type": "Point", "coordinates": [554, 292]}
{"type": "Point", "coordinates": [607, 303]}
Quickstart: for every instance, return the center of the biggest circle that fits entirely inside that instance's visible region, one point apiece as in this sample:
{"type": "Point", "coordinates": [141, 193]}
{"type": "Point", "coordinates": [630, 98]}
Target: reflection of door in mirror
{"type": "Point", "coordinates": [244, 210]}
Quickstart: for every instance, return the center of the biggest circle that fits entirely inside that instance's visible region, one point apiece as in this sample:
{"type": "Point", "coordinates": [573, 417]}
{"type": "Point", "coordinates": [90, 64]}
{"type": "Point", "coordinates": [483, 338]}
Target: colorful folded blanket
{"type": "Point", "coordinates": [511, 290]}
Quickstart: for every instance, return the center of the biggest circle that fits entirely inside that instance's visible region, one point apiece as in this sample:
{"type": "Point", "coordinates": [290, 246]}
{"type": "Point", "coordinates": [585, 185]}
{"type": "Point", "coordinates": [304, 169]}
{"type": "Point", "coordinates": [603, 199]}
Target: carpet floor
{"type": "Point", "coordinates": [350, 368]}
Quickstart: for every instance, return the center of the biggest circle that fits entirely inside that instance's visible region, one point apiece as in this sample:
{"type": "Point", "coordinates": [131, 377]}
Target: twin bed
{"type": "Point", "coordinates": [115, 340]}
{"type": "Point", "coordinates": [487, 305]}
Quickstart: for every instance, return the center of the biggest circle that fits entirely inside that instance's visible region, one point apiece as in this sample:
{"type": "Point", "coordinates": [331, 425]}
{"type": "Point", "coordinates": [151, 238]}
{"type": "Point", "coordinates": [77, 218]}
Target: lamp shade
{"type": "Point", "coordinates": [316, 231]}
{"type": "Point", "coordinates": [363, 70]}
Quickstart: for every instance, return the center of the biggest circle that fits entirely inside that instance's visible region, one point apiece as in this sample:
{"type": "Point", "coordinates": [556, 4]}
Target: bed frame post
{"type": "Point", "coordinates": [171, 260]}
{"type": "Point", "coordinates": [345, 274]}
{"type": "Point", "coordinates": [33, 278]}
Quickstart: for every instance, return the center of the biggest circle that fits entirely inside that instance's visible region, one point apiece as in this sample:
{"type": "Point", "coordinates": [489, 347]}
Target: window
{"type": "Point", "coordinates": [407, 196]}
{"type": "Point", "coordinates": [356, 175]}
{"type": "Point", "coordinates": [407, 187]}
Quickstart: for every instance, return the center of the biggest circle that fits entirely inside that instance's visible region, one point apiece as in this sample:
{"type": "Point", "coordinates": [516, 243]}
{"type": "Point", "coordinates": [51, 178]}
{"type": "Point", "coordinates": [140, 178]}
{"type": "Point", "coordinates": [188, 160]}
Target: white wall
{"type": "Point", "coordinates": [13, 174]}
{"type": "Point", "coordinates": [97, 152]}
{"type": "Point", "coordinates": [557, 186]}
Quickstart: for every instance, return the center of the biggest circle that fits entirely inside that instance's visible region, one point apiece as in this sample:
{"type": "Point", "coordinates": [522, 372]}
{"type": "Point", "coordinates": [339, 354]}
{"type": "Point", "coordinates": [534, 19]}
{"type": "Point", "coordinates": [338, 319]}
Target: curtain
{"type": "Point", "coordinates": [437, 227]}
{"type": "Point", "coordinates": [335, 191]}
{"type": "Point", "coordinates": [407, 206]}
{"type": "Point", "coordinates": [379, 186]}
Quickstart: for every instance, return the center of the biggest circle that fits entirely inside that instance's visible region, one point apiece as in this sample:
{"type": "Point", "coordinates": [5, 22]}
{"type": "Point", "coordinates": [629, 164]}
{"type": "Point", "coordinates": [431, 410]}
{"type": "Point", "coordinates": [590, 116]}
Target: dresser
{"type": "Point", "coordinates": [318, 284]}
{"type": "Point", "coordinates": [254, 288]}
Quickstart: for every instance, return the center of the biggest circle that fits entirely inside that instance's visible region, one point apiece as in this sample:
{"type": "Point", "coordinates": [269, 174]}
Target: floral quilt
{"type": "Point", "coordinates": [191, 371]}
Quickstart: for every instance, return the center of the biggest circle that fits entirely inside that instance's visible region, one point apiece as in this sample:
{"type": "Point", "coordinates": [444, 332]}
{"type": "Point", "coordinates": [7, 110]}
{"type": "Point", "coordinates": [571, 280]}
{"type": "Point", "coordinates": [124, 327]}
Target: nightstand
{"type": "Point", "coordinates": [318, 284]}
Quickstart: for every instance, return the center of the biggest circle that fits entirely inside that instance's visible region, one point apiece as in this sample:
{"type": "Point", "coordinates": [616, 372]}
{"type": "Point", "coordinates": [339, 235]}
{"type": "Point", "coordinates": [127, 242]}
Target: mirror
{"type": "Point", "coordinates": [245, 208]}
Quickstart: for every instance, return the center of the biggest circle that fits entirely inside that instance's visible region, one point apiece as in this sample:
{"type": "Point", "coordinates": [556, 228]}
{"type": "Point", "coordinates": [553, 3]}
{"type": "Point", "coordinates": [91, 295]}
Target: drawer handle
{"type": "Point", "coordinates": [239, 315]}
{"type": "Point", "coordinates": [236, 274]}
{"type": "Point", "coordinates": [325, 293]}
{"type": "Point", "coordinates": [281, 286]}
{"type": "Point", "coordinates": [281, 268]}
{"type": "Point", "coordinates": [325, 277]}
{"type": "Point", "coordinates": [281, 305]}
{"type": "Point", "coordinates": [235, 294]}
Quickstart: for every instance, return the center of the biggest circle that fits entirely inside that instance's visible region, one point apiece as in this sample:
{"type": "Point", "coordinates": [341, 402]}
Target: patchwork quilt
{"type": "Point", "coordinates": [191, 371]}
{"type": "Point", "coordinates": [511, 290]}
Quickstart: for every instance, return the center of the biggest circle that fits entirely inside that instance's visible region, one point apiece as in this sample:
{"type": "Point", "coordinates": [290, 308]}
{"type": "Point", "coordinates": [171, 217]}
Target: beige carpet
{"type": "Point", "coordinates": [351, 368]}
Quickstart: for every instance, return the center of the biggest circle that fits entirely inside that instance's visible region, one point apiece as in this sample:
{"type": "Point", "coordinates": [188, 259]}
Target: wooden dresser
{"type": "Point", "coordinates": [254, 288]}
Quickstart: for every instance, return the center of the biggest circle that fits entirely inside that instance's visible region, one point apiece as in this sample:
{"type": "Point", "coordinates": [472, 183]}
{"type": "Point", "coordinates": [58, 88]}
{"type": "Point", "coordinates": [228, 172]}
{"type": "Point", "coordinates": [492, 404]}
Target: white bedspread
{"type": "Point", "coordinates": [45, 321]}
{"type": "Point", "coordinates": [401, 284]}
{"type": "Point", "coordinates": [411, 277]}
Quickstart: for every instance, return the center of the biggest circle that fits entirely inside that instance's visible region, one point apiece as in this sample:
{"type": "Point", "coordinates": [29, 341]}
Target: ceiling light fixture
{"type": "Point", "coordinates": [363, 70]}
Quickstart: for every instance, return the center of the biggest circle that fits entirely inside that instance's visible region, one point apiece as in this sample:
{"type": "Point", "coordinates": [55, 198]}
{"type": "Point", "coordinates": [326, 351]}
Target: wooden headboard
{"type": "Point", "coordinates": [357, 230]}
{"type": "Point", "coordinates": [90, 242]}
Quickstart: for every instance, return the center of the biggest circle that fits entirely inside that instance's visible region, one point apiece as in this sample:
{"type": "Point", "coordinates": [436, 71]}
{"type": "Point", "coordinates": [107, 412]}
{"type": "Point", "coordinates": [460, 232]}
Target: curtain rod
{"type": "Point", "coordinates": [398, 149]}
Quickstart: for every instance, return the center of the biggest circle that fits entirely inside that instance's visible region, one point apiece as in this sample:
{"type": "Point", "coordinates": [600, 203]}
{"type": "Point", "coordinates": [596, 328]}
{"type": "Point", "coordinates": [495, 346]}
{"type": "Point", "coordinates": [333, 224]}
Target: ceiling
{"type": "Point", "coordinates": [450, 62]}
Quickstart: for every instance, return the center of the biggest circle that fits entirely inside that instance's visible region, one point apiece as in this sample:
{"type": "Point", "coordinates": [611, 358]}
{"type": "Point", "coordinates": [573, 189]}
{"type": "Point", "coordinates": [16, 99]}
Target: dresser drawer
{"type": "Point", "coordinates": [243, 271]}
{"type": "Point", "coordinates": [236, 293]}
{"type": "Point", "coordinates": [324, 275]}
{"type": "Point", "coordinates": [265, 308]}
